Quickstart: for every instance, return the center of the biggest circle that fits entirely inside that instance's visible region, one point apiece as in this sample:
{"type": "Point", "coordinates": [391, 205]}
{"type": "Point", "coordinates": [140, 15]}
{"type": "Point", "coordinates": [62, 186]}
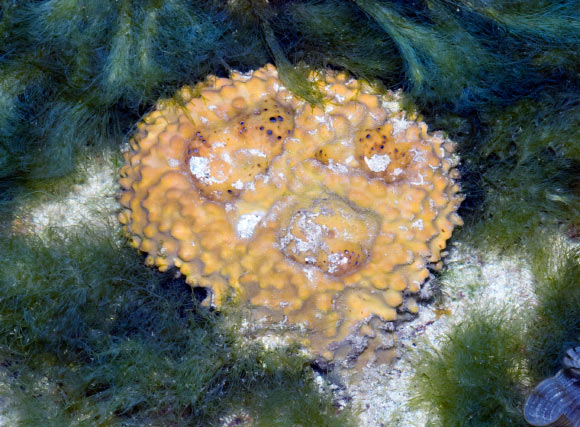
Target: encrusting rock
{"type": "Point", "coordinates": [321, 216]}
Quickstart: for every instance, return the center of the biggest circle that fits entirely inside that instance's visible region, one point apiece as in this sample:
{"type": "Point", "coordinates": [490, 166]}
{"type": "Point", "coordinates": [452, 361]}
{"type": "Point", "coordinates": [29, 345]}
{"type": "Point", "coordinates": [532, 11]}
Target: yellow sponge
{"type": "Point", "coordinates": [322, 214]}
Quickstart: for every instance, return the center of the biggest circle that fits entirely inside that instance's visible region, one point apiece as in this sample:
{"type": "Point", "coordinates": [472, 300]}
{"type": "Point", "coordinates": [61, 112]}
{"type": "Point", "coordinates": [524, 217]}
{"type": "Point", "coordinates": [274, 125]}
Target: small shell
{"type": "Point", "coordinates": [571, 361]}
{"type": "Point", "coordinates": [555, 401]}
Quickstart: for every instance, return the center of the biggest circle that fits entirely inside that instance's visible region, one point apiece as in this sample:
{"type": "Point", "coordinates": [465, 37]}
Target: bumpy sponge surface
{"type": "Point", "coordinates": [323, 215]}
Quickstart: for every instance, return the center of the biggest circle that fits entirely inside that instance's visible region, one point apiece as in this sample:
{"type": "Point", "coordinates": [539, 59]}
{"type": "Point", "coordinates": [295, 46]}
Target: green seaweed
{"type": "Point", "coordinates": [91, 336]}
{"type": "Point", "coordinates": [555, 325]}
{"type": "Point", "coordinates": [88, 333]}
{"type": "Point", "coordinates": [83, 72]}
{"type": "Point", "coordinates": [523, 173]}
{"type": "Point", "coordinates": [485, 367]}
{"type": "Point", "coordinates": [474, 378]}
{"type": "Point", "coordinates": [337, 34]}
{"type": "Point", "coordinates": [554, 23]}
{"type": "Point", "coordinates": [519, 199]}
{"type": "Point", "coordinates": [444, 64]}
{"type": "Point", "coordinates": [294, 77]}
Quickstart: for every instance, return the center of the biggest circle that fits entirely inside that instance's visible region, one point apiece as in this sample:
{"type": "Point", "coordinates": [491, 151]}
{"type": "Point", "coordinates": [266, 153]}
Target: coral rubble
{"type": "Point", "coordinates": [325, 216]}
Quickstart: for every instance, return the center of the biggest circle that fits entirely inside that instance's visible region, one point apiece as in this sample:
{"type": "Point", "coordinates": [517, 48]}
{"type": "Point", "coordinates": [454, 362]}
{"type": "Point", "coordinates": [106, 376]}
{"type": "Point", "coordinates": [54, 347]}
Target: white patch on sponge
{"type": "Point", "coordinates": [247, 224]}
{"type": "Point", "coordinates": [378, 162]}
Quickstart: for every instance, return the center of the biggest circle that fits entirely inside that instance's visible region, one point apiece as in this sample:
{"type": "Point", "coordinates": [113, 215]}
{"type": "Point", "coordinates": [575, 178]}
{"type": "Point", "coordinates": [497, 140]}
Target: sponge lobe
{"type": "Point", "coordinates": [225, 157]}
{"type": "Point", "coordinates": [325, 216]}
{"type": "Point", "coordinates": [330, 234]}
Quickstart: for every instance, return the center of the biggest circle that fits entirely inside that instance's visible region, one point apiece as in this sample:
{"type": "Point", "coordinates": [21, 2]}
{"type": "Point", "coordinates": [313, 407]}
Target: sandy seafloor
{"type": "Point", "coordinates": [381, 397]}
{"type": "Point", "coordinates": [472, 280]}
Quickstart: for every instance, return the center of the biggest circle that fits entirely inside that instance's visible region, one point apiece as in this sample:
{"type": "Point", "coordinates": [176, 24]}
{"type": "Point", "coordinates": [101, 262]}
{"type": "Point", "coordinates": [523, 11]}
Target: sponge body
{"type": "Point", "coordinates": [322, 215]}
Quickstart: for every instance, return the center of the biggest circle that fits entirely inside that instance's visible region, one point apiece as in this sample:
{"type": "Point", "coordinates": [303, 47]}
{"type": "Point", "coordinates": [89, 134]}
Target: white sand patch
{"type": "Point", "coordinates": [93, 201]}
{"type": "Point", "coordinates": [473, 279]}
